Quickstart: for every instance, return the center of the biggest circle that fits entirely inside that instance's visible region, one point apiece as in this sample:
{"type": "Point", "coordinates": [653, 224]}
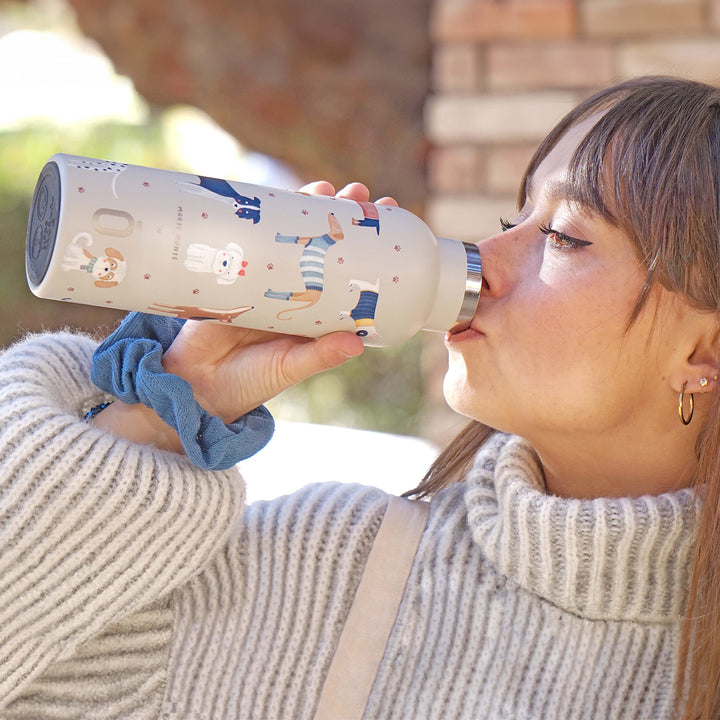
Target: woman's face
{"type": "Point", "coordinates": [549, 355]}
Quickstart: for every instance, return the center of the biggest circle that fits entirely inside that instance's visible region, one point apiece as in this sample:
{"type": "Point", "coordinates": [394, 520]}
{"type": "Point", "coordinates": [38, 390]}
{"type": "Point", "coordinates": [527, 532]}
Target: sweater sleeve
{"type": "Point", "coordinates": [92, 528]}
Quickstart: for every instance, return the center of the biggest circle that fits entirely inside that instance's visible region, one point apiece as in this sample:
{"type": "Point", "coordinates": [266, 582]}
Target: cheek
{"type": "Point", "coordinates": [573, 342]}
{"type": "Point", "coordinates": [580, 315]}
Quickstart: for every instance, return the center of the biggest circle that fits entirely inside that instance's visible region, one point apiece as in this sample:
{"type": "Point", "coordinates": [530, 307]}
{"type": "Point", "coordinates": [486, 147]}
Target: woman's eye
{"type": "Point", "coordinates": [561, 241]}
{"type": "Point", "coordinates": [506, 225]}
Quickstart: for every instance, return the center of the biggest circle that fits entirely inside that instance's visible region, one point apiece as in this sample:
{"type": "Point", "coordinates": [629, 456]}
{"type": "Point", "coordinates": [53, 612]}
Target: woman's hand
{"type": "Point", "coordinates": [233, 370]}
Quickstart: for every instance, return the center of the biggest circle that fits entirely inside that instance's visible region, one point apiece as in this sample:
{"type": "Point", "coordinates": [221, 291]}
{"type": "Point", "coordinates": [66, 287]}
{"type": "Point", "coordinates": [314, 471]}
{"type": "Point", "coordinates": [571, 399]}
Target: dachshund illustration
{"type": "Point", "coordinates": [364, 311]}
{"type": "Point", "coordinates": [108, 270]}
{"type": "Point", "coordinates": [188, 312]}
{"type": "Point", "coordinates": [225, 264]}
{"type": "Point", "coordinates": [245, 208]}
{"type": "Point", "coordinates": [312, 265]}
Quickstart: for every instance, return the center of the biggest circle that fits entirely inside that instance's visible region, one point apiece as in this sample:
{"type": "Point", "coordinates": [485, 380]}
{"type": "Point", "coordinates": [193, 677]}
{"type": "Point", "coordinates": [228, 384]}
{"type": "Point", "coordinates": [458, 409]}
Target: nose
{"type": "Point", "coordinates": [504, 256]}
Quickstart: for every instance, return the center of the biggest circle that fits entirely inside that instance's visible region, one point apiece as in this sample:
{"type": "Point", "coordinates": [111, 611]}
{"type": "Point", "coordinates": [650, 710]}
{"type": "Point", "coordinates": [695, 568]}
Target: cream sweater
{"type": "Point", "coordinates": [133, 585]}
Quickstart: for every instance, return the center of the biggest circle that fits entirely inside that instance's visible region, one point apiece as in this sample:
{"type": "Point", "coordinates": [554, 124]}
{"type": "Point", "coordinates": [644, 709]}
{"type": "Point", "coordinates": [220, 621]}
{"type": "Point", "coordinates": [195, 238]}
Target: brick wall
{"type": "Point", "coordinates": [504, 71]}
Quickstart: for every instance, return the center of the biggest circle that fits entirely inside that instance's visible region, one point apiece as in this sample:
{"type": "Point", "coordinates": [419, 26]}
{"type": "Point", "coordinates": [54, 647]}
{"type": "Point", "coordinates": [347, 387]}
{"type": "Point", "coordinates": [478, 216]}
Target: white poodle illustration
{"type": "Point", "coordinates": [225, 264]}
{"type": "Point", "coordinates": [108, 270]}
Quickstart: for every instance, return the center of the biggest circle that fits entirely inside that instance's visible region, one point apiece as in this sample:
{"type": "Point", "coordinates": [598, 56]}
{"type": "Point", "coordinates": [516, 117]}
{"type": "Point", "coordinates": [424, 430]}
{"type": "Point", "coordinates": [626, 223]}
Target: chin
{"type": "Point", "coordinates": [474, 400]}
{"type": "Point", "coordinates": [459, 394]}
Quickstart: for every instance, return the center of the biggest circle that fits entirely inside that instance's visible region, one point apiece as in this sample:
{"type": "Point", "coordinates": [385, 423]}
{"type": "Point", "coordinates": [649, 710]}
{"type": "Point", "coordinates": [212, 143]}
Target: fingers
{"type": "Point", "coordinates": [309, 358]}
{"type": "Point", "coordinates": [319, 187]}
{"type": "Point", "coordinates": [352, 191]}
{"type": "Point", "coordinates": [335, 348]}
{"type": "Point", "coordinates": [387, 201]}
{"type": "Point", "coordinates": [359, 192]}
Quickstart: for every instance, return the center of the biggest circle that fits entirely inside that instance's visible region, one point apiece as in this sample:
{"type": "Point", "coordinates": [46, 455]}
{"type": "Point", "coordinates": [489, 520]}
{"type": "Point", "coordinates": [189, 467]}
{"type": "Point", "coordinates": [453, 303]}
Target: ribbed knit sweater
{"type": "Point", "coordinates": [133, 585]}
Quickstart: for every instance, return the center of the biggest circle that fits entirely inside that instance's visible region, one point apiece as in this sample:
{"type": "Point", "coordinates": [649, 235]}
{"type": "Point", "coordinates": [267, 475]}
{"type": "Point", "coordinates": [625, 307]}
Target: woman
{"type": "Point", "coordinates": [562, 550]}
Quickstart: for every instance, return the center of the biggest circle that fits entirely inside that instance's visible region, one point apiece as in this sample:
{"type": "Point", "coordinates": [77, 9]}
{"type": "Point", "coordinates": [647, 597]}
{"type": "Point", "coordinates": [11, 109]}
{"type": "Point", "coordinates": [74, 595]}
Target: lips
{"type": "Point", "coordinates": [467, 335]}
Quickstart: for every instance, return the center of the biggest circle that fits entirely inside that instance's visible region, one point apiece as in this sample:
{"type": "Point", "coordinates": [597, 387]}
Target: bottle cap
{"type": "Point", "coordinates": [42, 224]}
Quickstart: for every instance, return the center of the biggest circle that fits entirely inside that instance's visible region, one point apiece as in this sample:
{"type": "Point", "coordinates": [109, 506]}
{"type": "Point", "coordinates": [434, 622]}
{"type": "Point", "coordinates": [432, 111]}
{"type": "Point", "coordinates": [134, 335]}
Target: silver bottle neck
{"type": "Point", "coordinates": [473, 287]}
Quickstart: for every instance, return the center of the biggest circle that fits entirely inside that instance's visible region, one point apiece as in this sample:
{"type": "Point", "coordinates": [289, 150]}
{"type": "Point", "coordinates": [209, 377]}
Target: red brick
{"type": "Point", "coordinates": [510, 119]}
{"type": "Point", "coordinates": [535, 66]}
{"type": "Point", "coordinates": [456, 67]}
{"type": "Point", "coordinates": [625, 18]}
{"type": "Point", "coordinates": [456, 170]}
{"type": "Point", "coordinates": [505, 166]}
{"type": "Point", "coordinates": [698, 59]}
{"type": "Point", "coordinates": [470, 217]}
{"type": "Point", "coordinates": [483, 20]}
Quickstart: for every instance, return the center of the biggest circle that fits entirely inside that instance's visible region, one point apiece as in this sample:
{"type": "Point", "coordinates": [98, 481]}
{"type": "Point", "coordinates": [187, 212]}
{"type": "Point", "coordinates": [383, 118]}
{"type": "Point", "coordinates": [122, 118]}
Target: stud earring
{"type": "Point", "coordinates": [703, 382]}
{"type": "Point", "coordinates": [681, 410]}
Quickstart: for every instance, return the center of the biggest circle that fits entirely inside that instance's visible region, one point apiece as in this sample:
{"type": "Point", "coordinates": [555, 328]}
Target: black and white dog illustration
{"type": "Point", "coordinates": [245, 208]}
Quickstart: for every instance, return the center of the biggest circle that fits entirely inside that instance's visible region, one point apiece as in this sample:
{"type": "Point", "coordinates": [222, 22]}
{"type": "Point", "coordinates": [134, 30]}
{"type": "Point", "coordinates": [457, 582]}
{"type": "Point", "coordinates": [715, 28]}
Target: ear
{"type": "Point", "coordinates": [699, 365]}
{"type": "Point", "coordinates": [113, 253]}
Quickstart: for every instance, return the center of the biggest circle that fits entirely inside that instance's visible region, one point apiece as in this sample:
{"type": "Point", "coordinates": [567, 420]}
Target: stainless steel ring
{"type": "Point", "coordinates": [473, 287]}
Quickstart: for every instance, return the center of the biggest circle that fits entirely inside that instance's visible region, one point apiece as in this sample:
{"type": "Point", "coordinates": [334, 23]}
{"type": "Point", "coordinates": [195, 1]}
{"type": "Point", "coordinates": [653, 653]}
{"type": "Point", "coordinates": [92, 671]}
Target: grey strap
{"type": "Point", "coordinates": [372, 615]}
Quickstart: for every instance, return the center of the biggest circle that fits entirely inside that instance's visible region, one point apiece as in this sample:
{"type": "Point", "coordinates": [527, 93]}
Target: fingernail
{"type": "Point", "coordinates": [353, 353]}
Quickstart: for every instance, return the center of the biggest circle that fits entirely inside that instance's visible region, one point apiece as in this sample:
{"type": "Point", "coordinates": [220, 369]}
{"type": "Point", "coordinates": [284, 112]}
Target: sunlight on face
{"type": "Point", "coordinates": [548, 350]}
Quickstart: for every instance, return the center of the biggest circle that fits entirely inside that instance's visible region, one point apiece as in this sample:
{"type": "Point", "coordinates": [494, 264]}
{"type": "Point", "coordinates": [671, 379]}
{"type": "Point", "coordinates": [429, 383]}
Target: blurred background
{"type": "Point", "coordinates": [436, 102]}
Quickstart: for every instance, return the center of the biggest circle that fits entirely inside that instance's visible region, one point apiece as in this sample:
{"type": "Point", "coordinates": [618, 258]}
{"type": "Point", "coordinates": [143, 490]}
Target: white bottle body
{"type": "Point", "coordinates": [181, 245]}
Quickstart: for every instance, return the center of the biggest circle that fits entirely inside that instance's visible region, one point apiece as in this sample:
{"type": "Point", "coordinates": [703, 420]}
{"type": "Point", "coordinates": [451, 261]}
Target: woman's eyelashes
{"type": "Point", "coordinates": [561, 241]}
{"type": "Point", "coordinates": [555, 238]}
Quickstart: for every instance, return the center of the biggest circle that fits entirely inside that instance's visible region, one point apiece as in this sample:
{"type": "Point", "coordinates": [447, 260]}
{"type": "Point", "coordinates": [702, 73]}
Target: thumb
{"type": "Point", "coordinates": [323, 353]}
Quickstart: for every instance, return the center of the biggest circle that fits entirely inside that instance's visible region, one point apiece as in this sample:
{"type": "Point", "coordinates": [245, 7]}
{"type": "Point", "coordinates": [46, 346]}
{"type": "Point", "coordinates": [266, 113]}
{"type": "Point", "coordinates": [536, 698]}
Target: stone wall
{"type": "Point", "coordinates": [504, 71]}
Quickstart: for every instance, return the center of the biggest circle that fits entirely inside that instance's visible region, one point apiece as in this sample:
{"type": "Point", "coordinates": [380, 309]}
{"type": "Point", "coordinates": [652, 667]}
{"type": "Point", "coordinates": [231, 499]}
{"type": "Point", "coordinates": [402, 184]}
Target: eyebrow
{"type": "Point", "coordinates": [557, 190]}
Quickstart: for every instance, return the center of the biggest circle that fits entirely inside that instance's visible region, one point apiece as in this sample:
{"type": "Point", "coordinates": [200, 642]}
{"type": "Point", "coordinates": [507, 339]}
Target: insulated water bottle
{"type": "Point", "coordinates": [194, 247]}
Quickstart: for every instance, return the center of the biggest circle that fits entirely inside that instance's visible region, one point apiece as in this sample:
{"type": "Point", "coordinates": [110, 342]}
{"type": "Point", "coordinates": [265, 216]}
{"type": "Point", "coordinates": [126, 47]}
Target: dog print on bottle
{"type": "Point", "coordinates": [364, 311]}
{"type": "Point", "coordinates": [245, 208]}
{"type": "Point", "coordinates": [100, 167]}
{"type": "Point", "coordinates": [226, 264]}
{"type": "Point", "coordinates": [370, 218]}
{"type": "Point", "coordinates": [190, 312]}
{"type": "Point", "coordinates": [312, 266]}
{"type": "Point", "coordinates": [107, 269]}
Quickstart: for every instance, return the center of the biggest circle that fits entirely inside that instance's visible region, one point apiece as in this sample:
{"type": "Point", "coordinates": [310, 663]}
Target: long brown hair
{"type": "Point", "coordinates": [650, 166]}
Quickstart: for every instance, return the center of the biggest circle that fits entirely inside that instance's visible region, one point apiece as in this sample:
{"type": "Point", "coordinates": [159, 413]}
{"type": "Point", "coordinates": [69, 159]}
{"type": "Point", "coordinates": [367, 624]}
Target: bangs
{"type": "Point", "coordinates": [649, 166]}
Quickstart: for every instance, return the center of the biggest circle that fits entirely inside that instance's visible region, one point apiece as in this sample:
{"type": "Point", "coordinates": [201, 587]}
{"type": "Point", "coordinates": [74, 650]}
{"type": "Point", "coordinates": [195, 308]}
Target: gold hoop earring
{"type": "Point", "coordinates": [681, 410]}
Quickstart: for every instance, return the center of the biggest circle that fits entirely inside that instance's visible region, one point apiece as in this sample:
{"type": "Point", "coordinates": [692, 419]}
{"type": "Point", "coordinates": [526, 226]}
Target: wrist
{"type": "Point", "coordinates": [128, 365]}
{"type": "Point", "coordinates": [138, 424]}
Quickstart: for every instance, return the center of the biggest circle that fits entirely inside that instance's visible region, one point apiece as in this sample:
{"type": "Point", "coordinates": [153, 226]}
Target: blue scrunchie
{"type": "Point", "coordinates": [127, 365]}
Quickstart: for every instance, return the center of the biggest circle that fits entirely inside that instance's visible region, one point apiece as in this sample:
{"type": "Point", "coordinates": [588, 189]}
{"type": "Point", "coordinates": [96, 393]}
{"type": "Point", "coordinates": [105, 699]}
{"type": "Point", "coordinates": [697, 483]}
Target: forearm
{"type": "Point", "coordinates": [93, 527]}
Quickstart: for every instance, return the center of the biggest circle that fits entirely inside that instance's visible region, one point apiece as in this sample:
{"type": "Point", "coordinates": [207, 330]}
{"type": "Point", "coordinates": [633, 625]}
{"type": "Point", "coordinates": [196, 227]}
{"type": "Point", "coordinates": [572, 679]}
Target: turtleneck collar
{"type": "Point", "coordinates": [607, 558]}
